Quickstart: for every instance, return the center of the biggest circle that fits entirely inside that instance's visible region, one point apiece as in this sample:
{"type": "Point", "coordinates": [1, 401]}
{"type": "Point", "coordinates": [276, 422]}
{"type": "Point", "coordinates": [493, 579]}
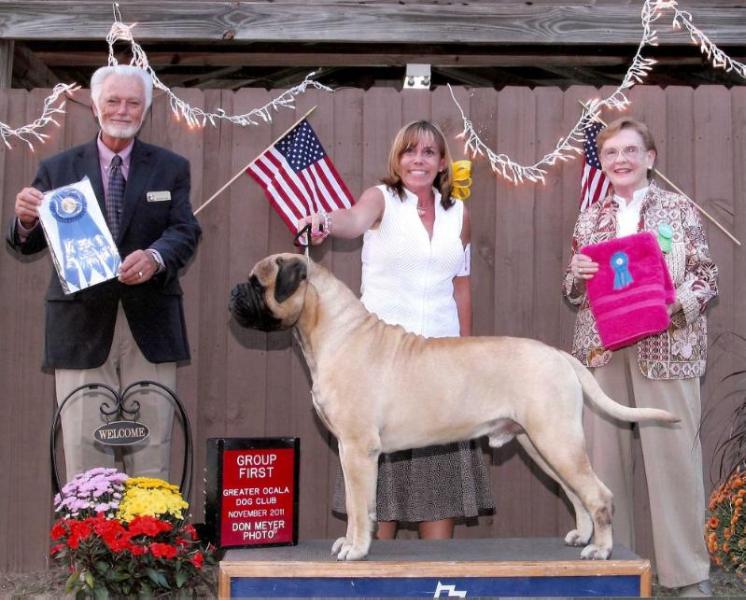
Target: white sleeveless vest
{"type": "Point", "coordinates": [407, 278]}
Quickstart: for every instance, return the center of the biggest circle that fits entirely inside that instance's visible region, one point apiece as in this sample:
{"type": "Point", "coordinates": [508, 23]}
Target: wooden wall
{"type": "Point", "coordinates": [250, 384]}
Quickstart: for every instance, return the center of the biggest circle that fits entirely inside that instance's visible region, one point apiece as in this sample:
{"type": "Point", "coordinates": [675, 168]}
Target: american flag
{"type": "Point", "coordinates": [594, 184]}
{"type": "Point", "coordinates": [298, 177]}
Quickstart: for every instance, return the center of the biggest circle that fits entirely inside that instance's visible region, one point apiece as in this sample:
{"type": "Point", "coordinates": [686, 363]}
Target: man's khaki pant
{"type": "Point", "coordinates": [81, 415]}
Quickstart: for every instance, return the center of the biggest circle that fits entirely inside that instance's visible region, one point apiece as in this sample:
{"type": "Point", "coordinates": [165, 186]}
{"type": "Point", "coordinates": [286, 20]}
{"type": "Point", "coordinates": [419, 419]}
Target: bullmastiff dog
{"type": "Point", "coordinates": [380, 389]}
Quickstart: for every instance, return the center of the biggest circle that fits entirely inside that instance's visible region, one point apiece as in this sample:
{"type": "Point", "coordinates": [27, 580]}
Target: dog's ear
{"type": "Point", "coordinates": [289, 276]}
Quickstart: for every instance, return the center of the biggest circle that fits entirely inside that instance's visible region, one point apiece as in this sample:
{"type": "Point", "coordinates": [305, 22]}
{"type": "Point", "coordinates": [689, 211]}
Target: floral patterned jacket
{"type": "Point", "coordinates": [681, 351]}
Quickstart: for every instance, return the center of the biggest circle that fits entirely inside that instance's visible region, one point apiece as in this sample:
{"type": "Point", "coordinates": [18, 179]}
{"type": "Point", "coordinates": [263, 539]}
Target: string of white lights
{"type": "Point", "coordinates": [195, 116]}
{"type": "Point", "coordinates": [570, 146]}
{"type": "Point", "coordinates": [32, 131]}
{"type": "Point", "coordinates": [566, 148]}
{"type": "Point", "coordinates": [715, 55]}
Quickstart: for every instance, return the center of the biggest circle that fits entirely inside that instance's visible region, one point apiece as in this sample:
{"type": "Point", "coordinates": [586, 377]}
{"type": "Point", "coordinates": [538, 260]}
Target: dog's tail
{"type": "Point", "coordinates": [609, 406]}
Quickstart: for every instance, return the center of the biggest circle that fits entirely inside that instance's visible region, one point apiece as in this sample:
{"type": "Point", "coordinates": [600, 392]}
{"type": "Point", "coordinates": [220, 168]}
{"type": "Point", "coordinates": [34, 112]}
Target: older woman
{"type": "Point", "coordinates": [415, 273]}
{"type": "Point", "coordinates": [660, 371]}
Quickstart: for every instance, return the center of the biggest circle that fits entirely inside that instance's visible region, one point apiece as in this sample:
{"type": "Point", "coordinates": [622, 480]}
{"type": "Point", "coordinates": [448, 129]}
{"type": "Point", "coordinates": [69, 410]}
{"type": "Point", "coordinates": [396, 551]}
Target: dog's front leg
{"type": "Point", "coordinates": [360, 470]}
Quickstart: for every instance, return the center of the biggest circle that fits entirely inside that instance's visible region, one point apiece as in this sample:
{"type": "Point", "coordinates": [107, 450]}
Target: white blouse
{"type": "Point", "coordinates": [407, 278]}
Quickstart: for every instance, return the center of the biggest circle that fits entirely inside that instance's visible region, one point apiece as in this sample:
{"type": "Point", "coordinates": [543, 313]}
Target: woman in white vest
{"type": "Point", "coordinates": [415, 273]}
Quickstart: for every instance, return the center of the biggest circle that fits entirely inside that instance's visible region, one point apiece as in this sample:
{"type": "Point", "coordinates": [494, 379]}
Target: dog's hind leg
{"type": "Point", "coordinates": [360, 471]}
{"type": "Point", "coordinates": [570, 462]}
{"type": "Point", "coordinates": [583, 531]}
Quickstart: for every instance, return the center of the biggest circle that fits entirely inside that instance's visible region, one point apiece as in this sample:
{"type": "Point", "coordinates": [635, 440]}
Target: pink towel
{"type": "Point", "coordinates": [629, 293]}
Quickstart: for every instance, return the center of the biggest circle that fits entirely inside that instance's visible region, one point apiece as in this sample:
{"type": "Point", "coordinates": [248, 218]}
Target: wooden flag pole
{"type": "Point", "coordinates": [680, 191]}
{"type": "Point", "coordinates": [242, 171]}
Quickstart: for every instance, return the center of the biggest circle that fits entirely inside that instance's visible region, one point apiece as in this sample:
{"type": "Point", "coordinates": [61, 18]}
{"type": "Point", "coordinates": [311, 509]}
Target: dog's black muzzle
{"type": "Point", "coordinates": [248, 307]}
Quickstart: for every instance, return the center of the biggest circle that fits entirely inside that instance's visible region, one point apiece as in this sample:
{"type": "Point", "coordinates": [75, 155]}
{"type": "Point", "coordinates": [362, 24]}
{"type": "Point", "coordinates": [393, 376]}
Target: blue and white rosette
{"type": "Point", "coordinates": [82, 248]}
{"type": "Point", "coordinates": [620, 264]}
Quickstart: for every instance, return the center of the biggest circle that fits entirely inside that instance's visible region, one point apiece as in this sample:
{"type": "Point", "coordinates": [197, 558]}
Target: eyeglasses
{"type": "Point", "coordinates": [629, 152]}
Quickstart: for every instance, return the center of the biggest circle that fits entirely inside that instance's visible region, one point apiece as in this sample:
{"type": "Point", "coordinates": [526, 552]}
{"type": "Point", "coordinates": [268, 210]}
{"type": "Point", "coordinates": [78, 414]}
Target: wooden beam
{"type": "Point", "coordinates": [30, 71]}
{"type": "Point", "coordinates": [377, 57]}
{"type": "Point", "coordinates": [581, 75]}
{"type": "Point", "coordinates": [584, 22]}
{"type": "Point", "coordinates": [6, 63]}
{"type": "Point", "coordinates": [464, 77]}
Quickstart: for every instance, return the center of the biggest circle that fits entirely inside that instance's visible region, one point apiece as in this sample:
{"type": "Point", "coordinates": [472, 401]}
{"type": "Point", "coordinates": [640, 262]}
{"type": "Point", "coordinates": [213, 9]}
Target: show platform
{"type": "Point", "coordinates": [463, 568]}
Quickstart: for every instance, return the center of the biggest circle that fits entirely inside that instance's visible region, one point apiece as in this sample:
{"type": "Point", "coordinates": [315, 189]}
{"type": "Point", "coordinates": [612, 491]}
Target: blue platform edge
{"type": "Point", "coordinates": [433, 587]}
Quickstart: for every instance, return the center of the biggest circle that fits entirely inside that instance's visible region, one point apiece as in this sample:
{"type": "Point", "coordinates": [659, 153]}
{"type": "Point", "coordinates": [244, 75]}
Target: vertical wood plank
{"type": "Point", "coordinates": [347, 155]}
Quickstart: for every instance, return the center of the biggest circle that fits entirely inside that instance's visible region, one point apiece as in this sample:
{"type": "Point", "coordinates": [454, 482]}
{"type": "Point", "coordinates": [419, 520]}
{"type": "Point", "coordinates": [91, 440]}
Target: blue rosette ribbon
{"type": "Point", "coordinates": [620, 263]}
{"type": "Point", "coordinates": [85, 251]}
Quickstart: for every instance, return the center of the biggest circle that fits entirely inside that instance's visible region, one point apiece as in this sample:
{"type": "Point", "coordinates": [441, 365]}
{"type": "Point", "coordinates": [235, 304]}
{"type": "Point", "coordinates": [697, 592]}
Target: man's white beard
{"type": "Point", "coordinates": [120, 131]}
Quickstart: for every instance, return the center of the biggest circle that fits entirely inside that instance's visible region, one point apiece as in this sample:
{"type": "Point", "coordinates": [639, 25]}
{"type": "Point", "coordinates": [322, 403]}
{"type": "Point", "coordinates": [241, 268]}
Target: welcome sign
{"type": "Point", "coordinates": [252, 491]}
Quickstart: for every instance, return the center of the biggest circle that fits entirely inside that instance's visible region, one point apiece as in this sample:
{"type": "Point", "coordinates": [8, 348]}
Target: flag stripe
{"type": "Point", "coordinates": [288, 216]}
{"type": "Point", "coordinates": [343, 193]}
{"type": "Point", "coordinates": [263, 174]}
{"type": "Point", "coordinates": [320, 182]}
{"type": "Point", "coordinates": [280, 187]}
{"type": "Point", "coordinates": [293, 185]}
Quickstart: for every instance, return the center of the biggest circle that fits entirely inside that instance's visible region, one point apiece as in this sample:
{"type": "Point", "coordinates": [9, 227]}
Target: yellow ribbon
{"type": "Point", "coordinates": [461, 187]}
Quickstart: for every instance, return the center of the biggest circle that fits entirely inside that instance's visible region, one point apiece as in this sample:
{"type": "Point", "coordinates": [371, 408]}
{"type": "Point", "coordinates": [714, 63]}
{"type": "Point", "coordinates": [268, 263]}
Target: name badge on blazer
{"type": "Point", "coordinates": [164, 196]}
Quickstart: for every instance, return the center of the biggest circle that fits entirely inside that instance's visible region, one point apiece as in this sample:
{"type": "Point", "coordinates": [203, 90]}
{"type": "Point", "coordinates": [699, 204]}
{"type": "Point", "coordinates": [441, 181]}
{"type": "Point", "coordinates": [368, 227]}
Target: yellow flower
{"type": "Point", "coordinates": [152, 497]}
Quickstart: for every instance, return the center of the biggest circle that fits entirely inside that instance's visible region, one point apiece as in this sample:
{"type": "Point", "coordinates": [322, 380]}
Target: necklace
{"type": "Point", "coordinates": [422, 210]}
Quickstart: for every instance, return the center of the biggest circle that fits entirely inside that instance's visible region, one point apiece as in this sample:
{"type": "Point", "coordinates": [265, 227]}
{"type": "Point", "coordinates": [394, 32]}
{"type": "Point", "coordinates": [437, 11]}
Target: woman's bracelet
{"type": "Point", "coordinates": [325, 222]}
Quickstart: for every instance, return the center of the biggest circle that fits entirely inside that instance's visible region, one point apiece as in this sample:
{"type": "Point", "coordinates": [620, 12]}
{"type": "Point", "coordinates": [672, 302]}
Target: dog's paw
{"type": "Point", "coordinates": [576, 538]}
{"type": "Point", "coordinates": [346, 551]}
{"type": "Point", "coordinates": [338, 543]}
{"type": "Point", "coordinates": [593, 552]}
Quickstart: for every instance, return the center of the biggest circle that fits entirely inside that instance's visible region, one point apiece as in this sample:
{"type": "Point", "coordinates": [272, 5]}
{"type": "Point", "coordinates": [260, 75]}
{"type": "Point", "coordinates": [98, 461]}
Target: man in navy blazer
{"type": "Point", "coordinates": [131, 328]}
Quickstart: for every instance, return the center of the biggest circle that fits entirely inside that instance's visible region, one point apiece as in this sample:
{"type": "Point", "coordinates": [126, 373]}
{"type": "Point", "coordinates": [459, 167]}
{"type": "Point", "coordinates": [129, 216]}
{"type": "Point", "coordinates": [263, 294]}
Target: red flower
{"type": "Point", "coordinates": [56, 548]}
{"type": "Point", "coordinates": [149, 526]}
{"type": "Point", "coordinates": [118, 543]}
{"type": "Point", "coordinates": [198, 560]}
{"type": "Point", "coordinates": [79, 531]}
{"type": "Point", "coordinates": [163, 550]}
{"type": "Point", "coordinates": [189, 528]}
{"type": "Point", "coordinates": [109, 528]}
{"type": "Point", "coordinates": [59, 530]}
{"type": "Point", "coordinates": [138, 550]}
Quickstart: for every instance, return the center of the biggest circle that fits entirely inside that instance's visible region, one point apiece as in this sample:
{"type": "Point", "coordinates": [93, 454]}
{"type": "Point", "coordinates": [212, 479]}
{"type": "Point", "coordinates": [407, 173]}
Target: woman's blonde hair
{"type": "Point", "coordinates": [408, 137]}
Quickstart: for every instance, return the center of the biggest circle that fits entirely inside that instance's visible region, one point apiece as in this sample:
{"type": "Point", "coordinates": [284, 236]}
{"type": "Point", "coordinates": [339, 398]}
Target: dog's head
{"type": "Point", "coordinates": [273, 296]}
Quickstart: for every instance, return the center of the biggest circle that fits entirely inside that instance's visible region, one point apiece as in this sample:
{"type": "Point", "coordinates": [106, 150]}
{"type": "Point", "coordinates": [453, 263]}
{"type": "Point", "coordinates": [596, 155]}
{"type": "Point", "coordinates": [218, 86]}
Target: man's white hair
{"type": "Point", "coordinates": [102, 73]}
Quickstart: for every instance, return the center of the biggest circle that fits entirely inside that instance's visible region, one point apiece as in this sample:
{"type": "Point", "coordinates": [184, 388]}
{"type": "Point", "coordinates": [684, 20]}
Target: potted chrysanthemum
{"type": "Point", "coordinates": [124, 536]}
{"type": "Point", "coordinates": [725, 529]}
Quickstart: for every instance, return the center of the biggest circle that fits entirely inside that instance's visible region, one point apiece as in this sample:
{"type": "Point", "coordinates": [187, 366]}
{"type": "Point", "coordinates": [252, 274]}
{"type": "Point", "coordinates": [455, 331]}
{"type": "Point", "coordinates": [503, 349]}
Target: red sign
{"type": "Point", "coordinates": [258, 499]}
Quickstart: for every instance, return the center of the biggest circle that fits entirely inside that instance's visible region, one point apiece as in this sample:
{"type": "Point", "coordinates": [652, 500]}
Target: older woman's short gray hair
{"type": "Point", "coordinates": [102, 73]}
